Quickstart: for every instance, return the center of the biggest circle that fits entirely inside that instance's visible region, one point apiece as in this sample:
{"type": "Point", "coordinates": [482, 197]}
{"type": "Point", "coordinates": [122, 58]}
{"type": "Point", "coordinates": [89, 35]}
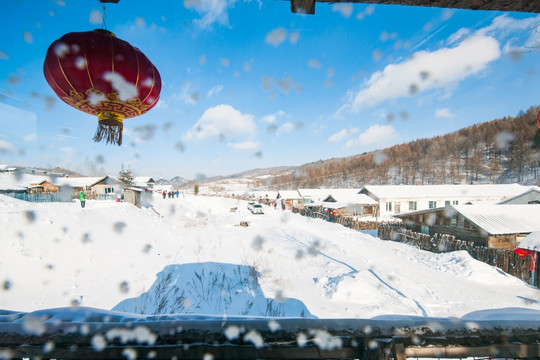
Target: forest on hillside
{"type": "Point", "coordinates": [505, 150]}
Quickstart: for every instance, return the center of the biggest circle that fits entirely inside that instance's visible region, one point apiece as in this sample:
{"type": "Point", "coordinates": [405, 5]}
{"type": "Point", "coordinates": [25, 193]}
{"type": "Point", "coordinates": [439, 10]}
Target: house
{"type": "Point", "coordinates": [351, 203]}
{"type": "Point", "coordinates": [531, 196]}
{"type": "Point", "coordinates": [310, 196]}
{"type": "Point", "coordinates": [43, 186]}
{"type": "Point", "coordinates": [289, 199]}
{"type": "Point", "coordinates": [34, 188]}
{"type": "Point", "coordinates": [100, 188]}
{"type": "Point", "coordinates": [346, 202]}
{"type": "Point", "coordinates": [397, 199]}
{"type": "Point", "coordinates": [497, 226]}
{"type": "Point", "coordinates": [264, 197]}
{"type": "Point", "coordinates": [144, 183]}
{"type": "Point", "coordinates": [7, 168]}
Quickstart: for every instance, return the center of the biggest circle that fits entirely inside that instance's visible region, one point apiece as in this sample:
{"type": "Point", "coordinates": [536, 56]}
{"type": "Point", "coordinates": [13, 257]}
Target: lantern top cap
{"type": "Point", "coordinates": [103, 31]}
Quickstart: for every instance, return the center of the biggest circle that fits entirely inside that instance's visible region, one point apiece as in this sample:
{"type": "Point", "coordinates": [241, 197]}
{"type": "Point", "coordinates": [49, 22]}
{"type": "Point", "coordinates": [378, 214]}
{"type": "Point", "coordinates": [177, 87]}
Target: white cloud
{"type": "Point", "coordinates": [458, 36]}
{"type": "Point", "coordinates": [215, 90]}
{"type": "Point", "coordinates": [221, 121]}
{"type": "Point", "coordinates": [429, 70]}
{"type": "Point", "coordinates": [30, 137]}
{"type": "Point", "coordinates": [521, 32]}
{"type": "Point", "coordinates": [276, 36]}
{"type": "Point", "coordinates": [506, 25]}
{"type": "Point", "coordinates": [212, 11]}
{"type": "Point", "coordinates": [375, 134]}
{"type": "Point", "coordinates": [6, 146]}
{"type": "Point", "coordinates": [443, 113]}
{"type": "Point", "coordinates": [69, 152]}
{"type": "Point", "coordinates": [341, 135]}
{"type": "Point", "coordinates": [272, 118]}
{"type": "Point", "coordinates": [246, 145]}
{"type": "Point", "coordinates": [285, 128]}
{"type": "Point", "coordinates": [186, 95]}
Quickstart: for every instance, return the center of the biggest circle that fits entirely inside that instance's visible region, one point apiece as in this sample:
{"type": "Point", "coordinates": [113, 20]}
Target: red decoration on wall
{"type": "Point", "coordinates": [101, 75]}
{"type": "Point", "coordinates": [523, 252]}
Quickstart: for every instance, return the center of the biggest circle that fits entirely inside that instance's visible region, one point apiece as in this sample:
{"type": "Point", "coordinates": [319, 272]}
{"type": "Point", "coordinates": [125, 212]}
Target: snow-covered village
{"type": "Point", "coordinates": [154, 250]}
{"type": "Point", "coordinates": [292, 179]}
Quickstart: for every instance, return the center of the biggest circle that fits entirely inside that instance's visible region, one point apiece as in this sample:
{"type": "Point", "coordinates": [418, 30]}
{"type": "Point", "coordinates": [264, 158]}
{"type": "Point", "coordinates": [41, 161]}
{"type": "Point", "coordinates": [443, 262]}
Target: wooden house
{"type": "Point", "coordinates": [132, 195]}
{"type": "Point", "coordinates": [43, 186]}
{"type": "Point", "coordinates": [497, 226]}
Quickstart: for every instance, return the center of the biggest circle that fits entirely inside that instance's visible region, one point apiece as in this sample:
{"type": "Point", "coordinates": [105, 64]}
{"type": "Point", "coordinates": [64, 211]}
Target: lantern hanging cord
{"type": "Point", "coordinates": [103, 15]}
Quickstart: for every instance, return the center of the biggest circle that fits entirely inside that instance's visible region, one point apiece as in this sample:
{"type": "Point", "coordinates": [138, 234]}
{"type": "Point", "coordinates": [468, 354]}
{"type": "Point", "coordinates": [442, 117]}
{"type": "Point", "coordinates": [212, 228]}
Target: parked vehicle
{"type": "Point", "coordinates": [257, 209]}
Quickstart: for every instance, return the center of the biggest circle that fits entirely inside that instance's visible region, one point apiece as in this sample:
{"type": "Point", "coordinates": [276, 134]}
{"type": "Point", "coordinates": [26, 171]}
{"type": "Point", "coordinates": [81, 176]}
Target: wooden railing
{"type": "Point", "coordinates": [506, 260]}
{"type": "Point", "coordinates": [74, 334]}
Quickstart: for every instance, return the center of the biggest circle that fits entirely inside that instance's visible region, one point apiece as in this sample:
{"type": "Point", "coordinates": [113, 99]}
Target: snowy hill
{"type": "Point", "coordinates": [190, 255]}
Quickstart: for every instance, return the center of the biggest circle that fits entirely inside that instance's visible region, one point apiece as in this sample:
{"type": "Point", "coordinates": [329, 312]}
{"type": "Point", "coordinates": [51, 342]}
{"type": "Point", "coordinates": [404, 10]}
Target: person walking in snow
{"type": "Point", "coordinates": [81, 197]}
{"type": "Point", "coordinates": [164, 194]}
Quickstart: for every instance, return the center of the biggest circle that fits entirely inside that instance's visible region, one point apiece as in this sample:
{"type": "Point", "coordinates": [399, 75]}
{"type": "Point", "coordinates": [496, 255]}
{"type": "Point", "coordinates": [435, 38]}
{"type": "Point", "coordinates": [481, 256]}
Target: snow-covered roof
{"type": "Point", "coordinates": [344, 196]}
{"type": "Point", "coordinates": [142, 181]}
{"type": "Point", "coordinates": [289, 194]}
{"type": "Point", "coordinates": [79, 181]}
{"type": "Point", "coordinates": [347, 196]}
{"type": "Point", "coordinates": [502, 219]}
{"type": "Point", "coordinates": [334, 205]}
{"type": "Point", "coordinates": [264, 194]}
{"type": "Point", "coordinates": [316, 194]}
{"type": "Point", "coordinates": [532, 194]}
{"type": "Point", "coordinates": [454, 191]}
{"type": "Point", "coordinates": [531, 241]}
{"type": "Point", "coordinates": [19, 181]}
{"type": "Point", "coordinates": [6, 168]}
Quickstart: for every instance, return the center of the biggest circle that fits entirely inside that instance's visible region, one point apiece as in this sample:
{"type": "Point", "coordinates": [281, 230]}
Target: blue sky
{"type": "Point", "coordinates": [249, 84]}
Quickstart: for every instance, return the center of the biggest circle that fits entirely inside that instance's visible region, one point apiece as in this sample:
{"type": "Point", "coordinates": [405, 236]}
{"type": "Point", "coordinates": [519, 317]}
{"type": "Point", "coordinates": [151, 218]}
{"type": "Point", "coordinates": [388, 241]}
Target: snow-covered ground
{"type": "Point", "coordinates": [190, 255]}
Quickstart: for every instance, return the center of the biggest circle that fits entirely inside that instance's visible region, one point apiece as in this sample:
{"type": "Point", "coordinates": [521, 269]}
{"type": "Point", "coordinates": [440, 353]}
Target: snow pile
{"type": "Point", "coordinates": [190, 255]}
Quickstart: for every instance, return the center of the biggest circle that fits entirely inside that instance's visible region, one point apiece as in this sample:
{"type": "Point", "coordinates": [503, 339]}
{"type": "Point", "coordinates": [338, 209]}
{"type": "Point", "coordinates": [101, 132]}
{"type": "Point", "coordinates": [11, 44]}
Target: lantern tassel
{"type": "Point", "coordinates": [109, 128]}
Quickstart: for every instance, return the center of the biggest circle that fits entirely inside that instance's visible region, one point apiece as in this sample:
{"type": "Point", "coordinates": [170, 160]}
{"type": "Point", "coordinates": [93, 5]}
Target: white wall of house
{"type": "Point", "coordinates": [390, 207]}
{"type": "Point", "coordinates": [110, 190]}
{"type": "Point", "coordinates": [403, 198]}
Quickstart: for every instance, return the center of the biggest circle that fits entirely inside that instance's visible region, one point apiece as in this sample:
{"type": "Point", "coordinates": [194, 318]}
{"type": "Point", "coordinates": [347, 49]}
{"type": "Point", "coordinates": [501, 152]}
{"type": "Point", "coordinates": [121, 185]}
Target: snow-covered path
{"type": "Point", "coordinates": [58, 254]}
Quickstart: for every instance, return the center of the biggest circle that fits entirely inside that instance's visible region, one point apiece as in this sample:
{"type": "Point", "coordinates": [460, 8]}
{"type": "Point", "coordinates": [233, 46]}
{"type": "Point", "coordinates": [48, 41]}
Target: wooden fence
{"type": "Point", "coordinates": [64, 196]}
{"type": "Point", "coordinates": [506, 260]}
{"type": "Point", "coordinates": [347, 221]}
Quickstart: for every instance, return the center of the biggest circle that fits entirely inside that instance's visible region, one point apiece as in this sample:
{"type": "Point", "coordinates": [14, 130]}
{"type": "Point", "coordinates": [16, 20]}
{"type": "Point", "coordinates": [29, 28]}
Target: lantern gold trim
{"type": "Point", "coordinates": [110, 126]}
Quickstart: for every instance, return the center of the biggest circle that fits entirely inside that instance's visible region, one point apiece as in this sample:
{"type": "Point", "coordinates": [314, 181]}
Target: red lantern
{"type": "Point", "coordinates": [101, 75]}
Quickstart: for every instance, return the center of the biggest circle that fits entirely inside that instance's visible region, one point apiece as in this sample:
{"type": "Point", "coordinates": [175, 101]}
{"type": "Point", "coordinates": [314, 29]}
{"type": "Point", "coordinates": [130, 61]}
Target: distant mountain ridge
{"type": "Point", "coordinates": [504, 150]}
